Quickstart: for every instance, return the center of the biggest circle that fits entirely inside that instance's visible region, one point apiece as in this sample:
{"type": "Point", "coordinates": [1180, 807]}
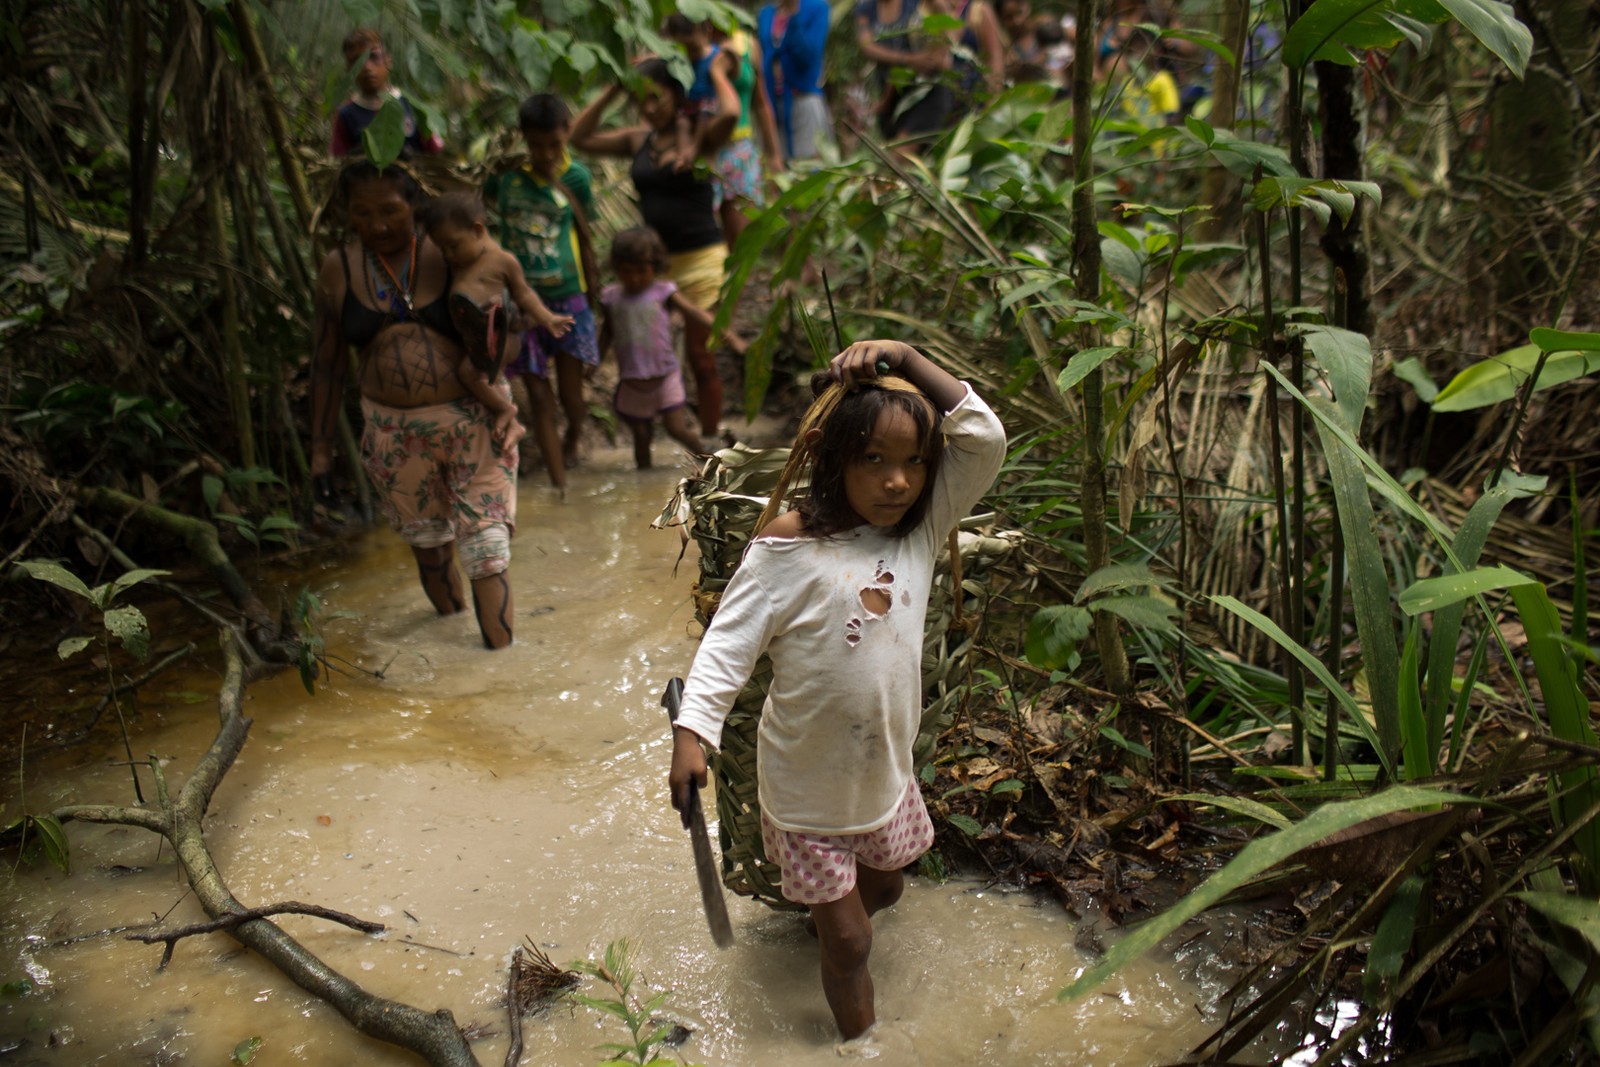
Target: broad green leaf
{"type": "Point", "coordinates": [385, 135]}
{"type": "Point", "coordinates": [1499, 378]}
{"type": "Point", "coordinates": [1411, 371]}
{"type": "Point", "coordinates": [1431, 594]}
{"type": "Point", "coordinates": [246, 1050]}
{"type": "Point", "coordinates": [1010, 785]}
{"type": "Point", "coordinates": [1241, 157]}
{"type": "Point", "coordinates": [211, 488]}
{"type": "Point", "coordinates": [1571, 911]}
{"type": "Point", "coordinates": [1564, 340]}
{"type": "Point", "coordinates": [1369, 580]}
{"type": "Point", "coordinates": [54, 839]}
{"type": "Point", "coordinates": [1347, 358]}
{"type": "Point", "coordinates": [1122, 261]}
{"type": "Point", "coordinates": [1496, 27]}
{"type": "Point", "coordinates": [1054, 633]}
{"type": "Point", "coordinates": [1335, 29]}
{"type": "Point", "coordinates": [1256, 858]}
{"type": "Point", "coordinates": [1315, 666]}
{"type": "Point", "coordinates": [966, 824]}
{"type": "Point", "coordinates": [1144, 612]}
{"type": "Point", "coordinates": [128, 624]}
{"type": "Point", "coordinates": [72, 646]}
{"type": "Point", "coordinates": [1393, 938]}
{"type": "Point", "coordinates": [1081, 365]}
{"type": "Point", "coordinates": [1252, 809]}
{"type": "Point", "coordinates": [133, 578]}
{"type": "Point", "coordinates": [1115, 576]}
{"type": "Point", "coordinates": [50, 571]}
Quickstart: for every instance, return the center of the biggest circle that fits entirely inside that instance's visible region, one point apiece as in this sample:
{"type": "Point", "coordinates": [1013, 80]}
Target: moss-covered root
{"type": "Point", "coordinates": [200, 538]}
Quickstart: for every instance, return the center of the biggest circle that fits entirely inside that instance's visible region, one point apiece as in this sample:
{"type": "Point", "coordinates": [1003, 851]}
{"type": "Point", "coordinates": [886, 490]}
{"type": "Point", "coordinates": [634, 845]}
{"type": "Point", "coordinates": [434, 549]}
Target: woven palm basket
{"type": "Point", "coordinates": [717, 507]}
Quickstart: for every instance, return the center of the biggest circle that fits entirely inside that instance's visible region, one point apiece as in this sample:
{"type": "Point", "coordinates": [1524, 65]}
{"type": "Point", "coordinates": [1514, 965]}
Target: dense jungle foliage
{"type": "Point", "coordinates": [1301, 395]}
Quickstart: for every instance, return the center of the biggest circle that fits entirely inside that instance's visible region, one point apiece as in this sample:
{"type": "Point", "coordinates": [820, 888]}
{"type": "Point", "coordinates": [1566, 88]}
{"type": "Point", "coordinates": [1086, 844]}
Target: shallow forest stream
{"type": "Point", "coordinates": [469, 799]}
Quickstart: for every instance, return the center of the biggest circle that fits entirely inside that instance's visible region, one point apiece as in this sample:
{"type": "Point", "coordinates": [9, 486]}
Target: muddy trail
{"type": "Point", "coordinates": [469, 800]}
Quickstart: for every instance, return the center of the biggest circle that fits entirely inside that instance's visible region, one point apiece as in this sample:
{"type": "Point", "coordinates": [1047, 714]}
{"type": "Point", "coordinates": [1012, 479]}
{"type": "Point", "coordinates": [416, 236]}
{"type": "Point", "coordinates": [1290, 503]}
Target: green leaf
{"type": "Point", "coordinates": [385, 135]}
{"type": "Point", "coordinates": [54, 839]}
{"type": "Point", "coordinates": [1498, 378]}
{"type": "Point", "coordinates": [1252, 809]}
{"type": "Point", "coordinates": [1393, 938]}
{"type": "Point", "coordinates": [1347, 358]}
{"type": "Point", "coordinates": [1570, 911]}
{"type": "Point", "coordinates": [1257, 857]}
{"type": "Point", "coordinates": [1081, 365]}
{"type": "Point", "coordinates": [1054, 633]}
{"type": "Point", "coordinates": [934, 24]}
{"type": "Point", "coordinates": [1369, 580]}
{"type": "Point", "coordinates": [133, 578]}
{"type": "Point", "coordinates": [966, 824]}
{"type": "Point", "coordinates": [1010, 785]}
{"type": "Point", "coordinates": [211, 488]}
{"type": "Point", "coordinates": [246, 1050]}
{"type": "Point", "coordinates": [1496, 27]}
{"type": "Point", "coordinates": [1419, 760]}
{"type": "Point", "coordinates": [1116, 737]}
{"type": "Point", "coordinates": [1116, 576]}
{"type": "Point", "coordinates": [1431, 594]}
{"type": "Point", "coordinates": [362, 12]}
{"type": "Point", "coordinates": [1334, 30]}
{"type": "Point", "coordinates": [1311, 663]}
{"type": "Point", "coordinates": [1411, 371]}
{"type": "Point", "coordinates": [128, 624]}
{"type": "Point", "coordinates": [1564, 340]}
{"type": "Point", "coordinates": [71, 646]}
{"type": "Point", "coordinates": [1143, 612]}
{"type": "Point", "coordinates": [46, 570]}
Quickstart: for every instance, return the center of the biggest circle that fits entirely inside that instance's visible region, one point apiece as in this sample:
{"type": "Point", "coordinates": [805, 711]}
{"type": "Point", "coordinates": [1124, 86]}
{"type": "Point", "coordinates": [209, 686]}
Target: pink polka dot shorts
{"type": "Point", "coordinates": [818, 868]}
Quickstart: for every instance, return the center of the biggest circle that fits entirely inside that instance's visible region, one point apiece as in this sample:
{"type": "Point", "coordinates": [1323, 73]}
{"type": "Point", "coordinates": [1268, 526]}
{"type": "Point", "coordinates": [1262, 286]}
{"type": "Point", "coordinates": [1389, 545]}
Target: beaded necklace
{"type": "Point", "coordinates": [398, 299]}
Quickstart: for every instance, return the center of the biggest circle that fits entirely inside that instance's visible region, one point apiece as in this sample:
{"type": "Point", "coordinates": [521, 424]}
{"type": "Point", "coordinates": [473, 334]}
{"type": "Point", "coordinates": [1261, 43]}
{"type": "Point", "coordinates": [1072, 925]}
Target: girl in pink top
{"type": "Point", "coordinates": [638, 328]}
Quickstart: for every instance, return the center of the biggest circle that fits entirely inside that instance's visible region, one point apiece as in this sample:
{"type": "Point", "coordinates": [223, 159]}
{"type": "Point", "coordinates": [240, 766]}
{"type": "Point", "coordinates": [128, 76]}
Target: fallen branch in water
{"type": "Point", "coordinates": [224, 922]}
{"type": "Point", "coordinates": [432, 1035]}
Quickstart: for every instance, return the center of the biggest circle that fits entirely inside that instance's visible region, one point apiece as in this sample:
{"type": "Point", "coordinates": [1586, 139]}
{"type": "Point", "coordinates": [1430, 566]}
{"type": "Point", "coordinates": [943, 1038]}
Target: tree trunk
{"type": "Point", "coordinates": [256, 63]}
{"type": "Point", "coordinates": [232, 344]}
{"type": "Point", "coordinates": [1345, 245]}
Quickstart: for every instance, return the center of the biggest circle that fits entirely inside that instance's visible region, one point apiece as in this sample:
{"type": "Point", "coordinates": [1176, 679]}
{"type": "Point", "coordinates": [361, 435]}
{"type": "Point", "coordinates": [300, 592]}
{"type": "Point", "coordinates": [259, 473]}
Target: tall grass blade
{"type": "Point", "coordinates": [1568, 715]}
{"type": "Point", "coordinates": [1419, 757]}
{"type": "Point", "coordinates": [1580, 567]}
{"type": "Point", "coordinates": [1369, 586]}
{"type": "Point", "coordinates": [1254, 859]}
{"type": "Point", "coordinates": [1315, 666]}
{"type": "Point", "coordinates": [1458, 718]}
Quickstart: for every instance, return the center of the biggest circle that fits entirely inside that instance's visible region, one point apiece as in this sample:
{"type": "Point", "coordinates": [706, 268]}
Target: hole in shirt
{"type": "Point", "coordinates": [876, 601]}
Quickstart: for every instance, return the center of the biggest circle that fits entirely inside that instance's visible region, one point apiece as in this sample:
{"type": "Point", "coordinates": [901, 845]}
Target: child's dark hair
{"type": "Point", "coordinates": [543, 111]}
{"type": "Point", "coordinates": [1049, 33]}
{"type": "Point", "coordinates": [640, 245]}
{"type": "Point", "coordinates": [361, 39]}
{"type": "Point", "coordinates": [847, 418]}
{"type": "Point", "coordinates": [459, 209]}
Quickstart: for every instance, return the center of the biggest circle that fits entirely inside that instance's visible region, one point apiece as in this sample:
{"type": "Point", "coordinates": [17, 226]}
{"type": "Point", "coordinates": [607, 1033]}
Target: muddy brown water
{"type": "Point", "coordinates": [469, 799]}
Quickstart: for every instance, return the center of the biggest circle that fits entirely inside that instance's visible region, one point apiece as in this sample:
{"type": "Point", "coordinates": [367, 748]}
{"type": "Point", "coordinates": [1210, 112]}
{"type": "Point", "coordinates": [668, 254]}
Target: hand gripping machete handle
{"type": "Point", "coordinates": [672, 700]}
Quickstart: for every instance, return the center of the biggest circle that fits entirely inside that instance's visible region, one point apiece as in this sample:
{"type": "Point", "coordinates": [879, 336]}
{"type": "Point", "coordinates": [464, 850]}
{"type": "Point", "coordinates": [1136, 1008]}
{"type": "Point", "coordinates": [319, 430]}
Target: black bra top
{"type": "Point", "coordinates": [359, 324]}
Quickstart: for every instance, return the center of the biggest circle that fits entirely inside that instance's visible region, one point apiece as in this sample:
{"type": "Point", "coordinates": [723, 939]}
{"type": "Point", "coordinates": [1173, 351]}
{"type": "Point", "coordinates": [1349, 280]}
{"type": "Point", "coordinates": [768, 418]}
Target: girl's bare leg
{"type": "Point", "coordinates": [570, 378]}
{"type": "Point", "coordinates": [676, 423]}
{"type": "Point", "coordinates": [437, 569]}
{"type": "Point", "coordinates": [708, 387]}
{"type": "Point", "coordinates": [642, 432]}
{"type": "Point", "coordinates": [491, 598]}
{"type": "Point", "coordinates": [845, 931]}
{"type": "Point", "coordinates": [734, 220]}
{"type": "Point", "coordinates": [542, 413]}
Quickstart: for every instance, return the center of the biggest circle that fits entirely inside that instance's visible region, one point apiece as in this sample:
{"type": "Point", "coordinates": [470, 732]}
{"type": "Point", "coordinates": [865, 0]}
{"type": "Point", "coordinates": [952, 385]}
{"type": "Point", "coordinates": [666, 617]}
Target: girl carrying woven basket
{"type": "Point", "coordinates": [835, 591]}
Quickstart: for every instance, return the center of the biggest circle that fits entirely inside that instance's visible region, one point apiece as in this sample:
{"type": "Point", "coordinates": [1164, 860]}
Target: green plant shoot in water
{"type": "Point", "coordinates": [646, 1034]}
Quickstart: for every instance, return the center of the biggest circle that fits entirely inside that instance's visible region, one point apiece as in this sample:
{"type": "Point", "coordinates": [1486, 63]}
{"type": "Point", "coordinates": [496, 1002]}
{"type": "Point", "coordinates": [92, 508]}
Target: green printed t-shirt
{"type": "Point", "coordinates": [536, 225]}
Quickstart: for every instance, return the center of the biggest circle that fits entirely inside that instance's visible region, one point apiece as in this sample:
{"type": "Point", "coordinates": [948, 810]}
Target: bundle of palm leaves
{"type": "Point", "coordinates": [717, 507]}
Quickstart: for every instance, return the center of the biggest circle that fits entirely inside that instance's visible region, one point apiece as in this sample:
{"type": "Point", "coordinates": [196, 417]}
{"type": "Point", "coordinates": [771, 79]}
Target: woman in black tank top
{"type": "Point", "coordinates": [427, 445]}
{"type": "Point", "coordinates": [677, 200]}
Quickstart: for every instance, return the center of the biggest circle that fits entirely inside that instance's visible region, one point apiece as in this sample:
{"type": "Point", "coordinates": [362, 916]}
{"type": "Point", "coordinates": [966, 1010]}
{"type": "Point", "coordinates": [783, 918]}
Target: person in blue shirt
{"type": "Point", "coordinates": [792, 35]}
{"type": "Point", "coordinates": [373, 90]}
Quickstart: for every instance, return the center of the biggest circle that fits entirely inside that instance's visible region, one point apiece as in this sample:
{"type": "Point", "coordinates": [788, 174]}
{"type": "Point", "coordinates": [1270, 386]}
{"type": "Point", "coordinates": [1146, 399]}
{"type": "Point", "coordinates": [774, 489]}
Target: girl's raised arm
{"type": "Point", "coordinates": [859, 363]}
{"type": "Point", "coordinates": [587, 136]}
